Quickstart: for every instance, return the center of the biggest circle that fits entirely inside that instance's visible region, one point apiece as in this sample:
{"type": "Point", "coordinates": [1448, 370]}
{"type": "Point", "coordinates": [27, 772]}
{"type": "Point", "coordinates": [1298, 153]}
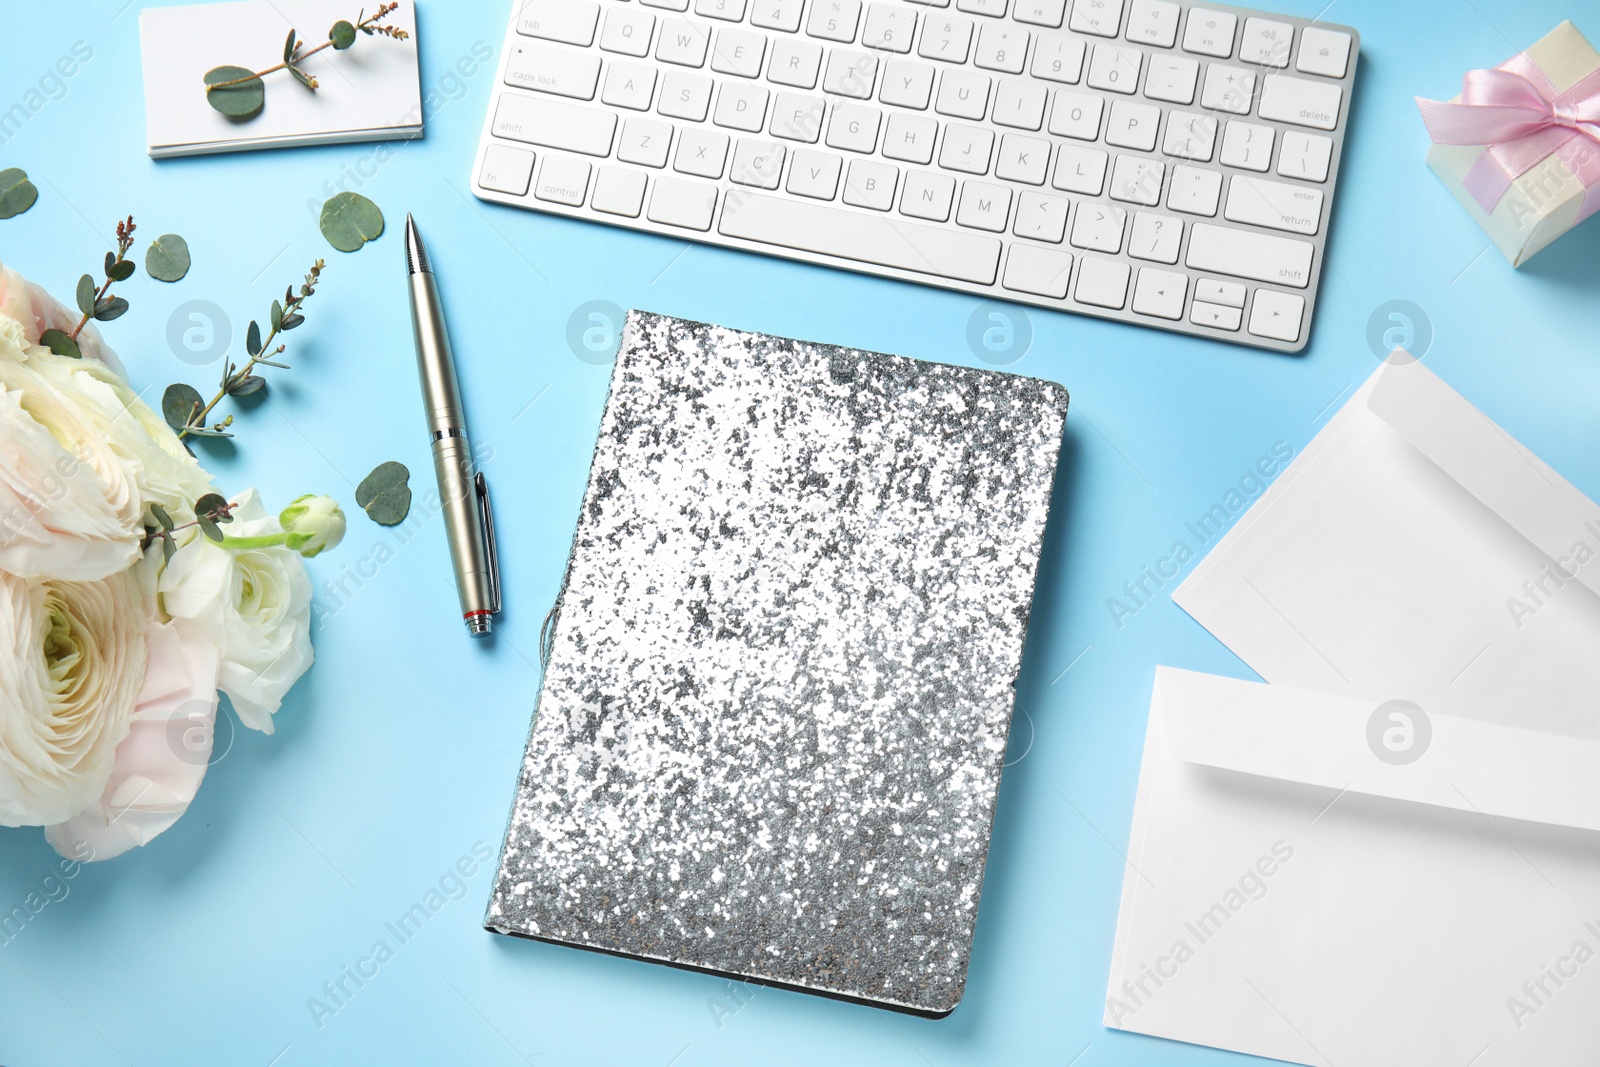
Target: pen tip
{"type": "Point", "coordinates": [416, 253]}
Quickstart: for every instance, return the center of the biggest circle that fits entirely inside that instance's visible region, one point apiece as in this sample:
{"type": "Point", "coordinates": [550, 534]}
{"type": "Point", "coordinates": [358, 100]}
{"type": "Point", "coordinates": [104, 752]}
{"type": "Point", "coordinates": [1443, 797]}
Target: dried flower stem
{"type": "Point", "coordinates": [124, 242]}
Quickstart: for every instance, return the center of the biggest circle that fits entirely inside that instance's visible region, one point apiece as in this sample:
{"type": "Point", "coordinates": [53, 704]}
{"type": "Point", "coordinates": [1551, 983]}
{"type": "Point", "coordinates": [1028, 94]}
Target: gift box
{"type": "Point", "coordinates": [1520, 147]}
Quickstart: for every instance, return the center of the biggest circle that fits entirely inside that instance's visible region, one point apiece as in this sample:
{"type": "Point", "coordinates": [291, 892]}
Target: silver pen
{"type": "Point", "coordinates": [464, 495]}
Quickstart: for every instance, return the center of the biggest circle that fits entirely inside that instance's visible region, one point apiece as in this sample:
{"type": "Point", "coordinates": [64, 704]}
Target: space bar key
{"type": "Point", "coordinates": [877, 239]}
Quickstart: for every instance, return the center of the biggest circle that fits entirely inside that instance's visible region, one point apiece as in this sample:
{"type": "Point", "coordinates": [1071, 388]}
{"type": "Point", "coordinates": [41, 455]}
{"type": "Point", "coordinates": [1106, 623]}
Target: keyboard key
{"type": "Point", "coordinates": [562, 180]}
{"type": "Point", "coordinates": [506, 170]}
{"type": "Point", "coordinates": [553, 70]}
{"type": "Point", "coordinates": [1214, 315]}
{"type": "Point", "coordinates": [1041, 217]}
{"type": "Point", "coordinates": [1305, 156]}
{"type": "Point", "coordinates": [1245, 254]}
{"type": "Point", "coordinates": [1265, 42]}
{"type": "Point", "coordinates": [1171, 78]}
{"type": "Point", "coordinates": [984, 206]}
{"type": "Point", "coordinates": [909, 138]}
{"type": "Point", "coordinates": [738, 52]}
{"type": "Point", "coordinates": [676, 202]}
{"type": "Point", "coordinates": [1277, 315]}
{"type": "Point", "coordinates": [906, 83]}
{"type": "Point", "coordinates": [741, 106]}
{"type": "Point", "coordinates": [795, 63]}
{"type": "Point", "coordinates": [726, 10]}
{"type": "Point", "coordinates": [932, 3]}
{"type": "Point", "coordinates": [670, 5]}
{"type": "Point", "coordinates": [881, 240]}
{"type": "Point", "coordinates": [1099, 227]}
{"type": "Point", "coordinates": [781, 15]}
{"type": "Point", "coordinates": [618, 191]}
{"type": "Point", "coordinates": [645, 142]}
{"type": "Point", "coordinates": [945, 37]}
{"type": "Point", "coordinates": [1323, 51]}
{"type": "Point", "coordinates": [1190, 136]}
{"type": "Point", "coordinates": [814, 174]}
{"type": "Point", "coordinates": [1099, 17]}
{"type": "Point", "coordinates": [629, 85]}
{"type": "Point", "coordinates": [1228, 89]}
{"type": "Point", "coordinates": [554, 124]}
{"type": "Point", "coordinates": [1212, 291]}
{"type": "Point", "coordinates": [1080, 170]}
{"type": "Point", "coordinates": [685, 95]}
{"type": "Point", "coordinates": [963, 94]}
{"type": "Point", "coordinates": [854, 127]}
{"type": "Point", "coordinates": [992, 8]}
{"type": "Point", "coordinates": [756, 163]}
{"type": "Point", "coordinates": [870, 184]}
{"type": "Point", "coordinates": [1133, 125]}
{"type": "Point", "coordinates": [1247, 146]}
{"type": "Point", "coordinates": [1194, 190]}
{"type": "Point", "coordinates": [1275, 205]}
{"type": "Point", "coordinates": [797, 118]}
{"type": "Point", "coordinates": [834, 20]}
{"type": "Point", "coordinates": [1114, 68]}
{"type": "Point", "coordinates": [850, 73]}
{"type": "Point", "coordinates": [1076, 115]}
{"type": "Point", "coordinates": [1040, 271]}
{"type": "Point", "coordinates": [1001, 47]}
{"type": "Point", "coordinates": [1209, 33]}
{"type": "Point", "coordinates": [1300, 101]}
{"type": "Point", "coordinates": [1040, 12]}
{"type": "Point", "coordinates": [701, 152]}
{"type": "Point", "coordinates": [1137, 181]}
{"type": "Point", "coordinates": [1155, 237]}
{"type": "Point", "coordinates": [889, 27]}
{"type": "Point", "coordinates": [1023, 159]}
{"type": "Point", "coordinates": [1153, 22]}
{"type": "Point", "coordinates": [927, 195]}
{"type": "Point", "coordinates": [1058, 58]}
{"type": "Point", "coordinates": [1160, 293]}
{"type": "Point", "coordinates": [1019, 104]}
{"type": "Point", "coordinates": [628, 31]}
{"type": "Point", "coordinates": [966, 148]}
{"type": "Point", "coordinates": [1102, 282]}
{"type": "Point", "coordinates": [683, 42]}
{"type": "Point", "coordinates": [569, 21]}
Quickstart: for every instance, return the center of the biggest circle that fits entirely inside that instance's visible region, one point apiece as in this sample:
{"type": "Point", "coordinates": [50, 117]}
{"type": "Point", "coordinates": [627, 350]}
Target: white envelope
{"type": "Point", "coordinates": [1293, 894]}
{"type": "Point", "coordinates": [1415, 551]}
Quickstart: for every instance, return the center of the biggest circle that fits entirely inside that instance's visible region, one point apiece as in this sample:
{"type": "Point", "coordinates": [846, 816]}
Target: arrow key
{"type": "Point", "coordinates": [1160, 293]}
{"type": "Point", "coordinates": [1276, 315]}
{"type": "Point", "coordinates": [1202, 313]}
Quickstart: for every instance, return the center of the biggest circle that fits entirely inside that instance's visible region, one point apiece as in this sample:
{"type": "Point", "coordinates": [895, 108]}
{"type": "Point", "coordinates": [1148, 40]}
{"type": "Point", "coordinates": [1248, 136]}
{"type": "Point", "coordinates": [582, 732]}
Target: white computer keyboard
{"type": "Point", "coordinates": [1141, 160]}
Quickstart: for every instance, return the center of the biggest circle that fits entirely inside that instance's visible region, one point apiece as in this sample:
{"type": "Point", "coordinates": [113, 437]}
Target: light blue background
{"type": "Point", "coordinates": [397, 753]}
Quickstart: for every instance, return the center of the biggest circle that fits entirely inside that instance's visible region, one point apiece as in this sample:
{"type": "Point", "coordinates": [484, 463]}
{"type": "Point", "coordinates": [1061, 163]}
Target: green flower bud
{"type": "Point", "coordinates": [313, 523]}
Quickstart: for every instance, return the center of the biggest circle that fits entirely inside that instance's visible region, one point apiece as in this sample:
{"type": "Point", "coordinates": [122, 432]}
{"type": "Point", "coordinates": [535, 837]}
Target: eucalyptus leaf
{"type": "Point", "coordinates": [167, 258]}
{"type": "Point", "coordinates": [209, 528]}
{"type": "Point", "coordinates": [206, 431]}
{"type": "Point", "coordinates": [246, 386]}
{"type": "Point", "coordinates": [112, 307]}
{"type": "Point", "coordinates": [385, 495]}
{"type": "Point", "coordinates": [213, 506]}
{"type": "Point", "coordinates": [291, 321]}
{"type": "Point", "coordinates": [87, 291]}
{"type": "Point", "coordinates": [262, 362]}
{"type": "Point", "coordinates": [288, 47]}
{"type": "Point", "coordinates": [241, 102]}
{"type": "Point", "coordinates": [343, 35]}
{"type": "Point", "coordinates": [17, 193]}
{"type": "Point", "coordinates": [179, 403]}
{"type": "Point", "coordinates": [350, 220]}
{"type": "Point", "coordinates": [111, 262]}
{"type": "Point", "coordinates": [168, 550]}
{"type": "Point", "coordinates": [162, 517]}
{"type": "Point", "coordinates": [121, 272]}
{"type": "Point", "coordinates": [252, 339]}
{"type": "Point", "coordinates": [61, 344]}
{"type": "Point", "coordinates": [277, 315]}
{"type": "Point", "coordinates": [303, 78]}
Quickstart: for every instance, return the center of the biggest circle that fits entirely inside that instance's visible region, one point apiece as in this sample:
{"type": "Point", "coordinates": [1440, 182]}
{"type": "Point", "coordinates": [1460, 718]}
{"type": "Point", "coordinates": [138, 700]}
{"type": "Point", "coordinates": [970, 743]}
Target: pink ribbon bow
{"type": "Point", "coordinates": [1517, 113]}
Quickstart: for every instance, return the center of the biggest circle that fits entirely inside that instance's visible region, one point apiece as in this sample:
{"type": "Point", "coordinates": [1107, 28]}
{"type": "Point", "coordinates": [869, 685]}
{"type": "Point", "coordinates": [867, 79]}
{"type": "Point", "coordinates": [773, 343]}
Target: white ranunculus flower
{"type": "Point", "coordinates": [256, 604]}
{"type": "Point", "coordinates": [75, 660]}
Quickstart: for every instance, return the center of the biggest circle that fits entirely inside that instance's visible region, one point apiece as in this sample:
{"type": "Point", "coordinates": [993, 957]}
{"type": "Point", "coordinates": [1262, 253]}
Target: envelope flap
{"type": "Point", "coordinates": [1363, 747]}
{"type": "Point", "coordinates": [1487, 462]}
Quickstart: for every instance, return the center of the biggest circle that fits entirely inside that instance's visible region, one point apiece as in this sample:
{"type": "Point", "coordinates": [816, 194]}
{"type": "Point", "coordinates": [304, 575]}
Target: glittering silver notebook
{"type": "Point", "coordinates": [781, 669]}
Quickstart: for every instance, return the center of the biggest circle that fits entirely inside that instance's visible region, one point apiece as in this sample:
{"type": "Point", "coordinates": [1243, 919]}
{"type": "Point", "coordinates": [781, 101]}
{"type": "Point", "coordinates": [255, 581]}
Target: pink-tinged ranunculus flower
{"type": "Point", "coordinates": [161, 762]}
{"type": "Point", "coordinates": [38, 311]}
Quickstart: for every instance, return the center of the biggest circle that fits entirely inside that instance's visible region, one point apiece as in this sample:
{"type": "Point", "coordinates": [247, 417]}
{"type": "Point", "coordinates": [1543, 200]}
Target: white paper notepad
{"type": "Point", "coordinates": [369, 92]}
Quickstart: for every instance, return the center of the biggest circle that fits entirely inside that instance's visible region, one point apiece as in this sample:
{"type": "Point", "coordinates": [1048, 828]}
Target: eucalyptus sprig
{"type": "Point", "coordinates": [181, 404]}
{"type": "Point", "coordinates": [96, 301]}
{"type": "Point", "coordinates": [239, 92]}
{"type": "Point", "coordinates": [210, 512]}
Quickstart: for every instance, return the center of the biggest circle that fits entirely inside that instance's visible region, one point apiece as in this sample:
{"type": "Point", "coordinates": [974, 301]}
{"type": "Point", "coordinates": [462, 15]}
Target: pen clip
{"type": "Point", "coordinates": [486, 516]}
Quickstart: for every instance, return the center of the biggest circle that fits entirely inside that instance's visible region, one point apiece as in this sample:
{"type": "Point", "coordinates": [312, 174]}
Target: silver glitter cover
{"type": "Point", "coordinates": [781, 671]}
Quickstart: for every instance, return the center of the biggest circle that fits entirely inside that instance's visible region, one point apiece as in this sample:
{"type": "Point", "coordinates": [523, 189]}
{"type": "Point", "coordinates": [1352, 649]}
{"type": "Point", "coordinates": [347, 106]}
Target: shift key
{"type": "Point", "coordinates": [555, 124]}
{"type": "Point", "coordinates": [1245, 254]}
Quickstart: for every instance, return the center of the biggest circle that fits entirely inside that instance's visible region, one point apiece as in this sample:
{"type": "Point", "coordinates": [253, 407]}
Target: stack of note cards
{"type": "Point", "coordinates": [368, 92]}
{"type": "Point", "coordinates": [781, 671]}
